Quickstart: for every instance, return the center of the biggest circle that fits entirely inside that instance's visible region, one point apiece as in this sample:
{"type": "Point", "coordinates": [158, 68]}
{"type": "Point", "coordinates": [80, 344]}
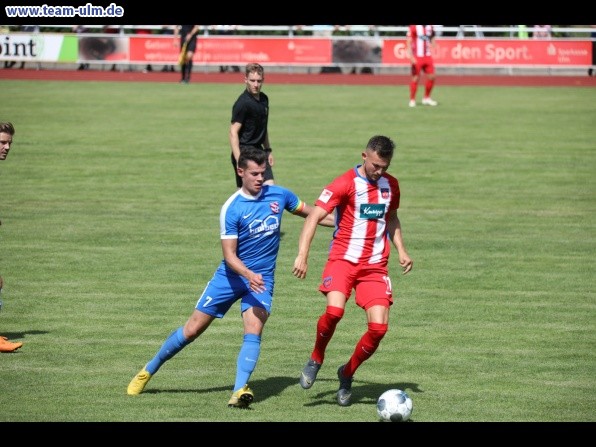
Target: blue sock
{"type": "Point", "coordinates": [172, 346]}
{"type": "Point", "coordinates": [247, 359]}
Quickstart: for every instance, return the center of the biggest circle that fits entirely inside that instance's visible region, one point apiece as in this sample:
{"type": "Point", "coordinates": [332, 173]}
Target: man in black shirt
{"type": "Point", "coordinates": [188, 45]}
{"type": "Point", "coordinates": [250, 115]}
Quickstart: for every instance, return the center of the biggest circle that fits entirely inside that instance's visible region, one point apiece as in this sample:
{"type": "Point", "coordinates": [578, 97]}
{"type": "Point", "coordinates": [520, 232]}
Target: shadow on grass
{"type": "Point", "coordinates": [265, 388]}
{"type": "Point", "coordinates": [15, 335]}
{"type": "Point", "coordinates": [362, 392]}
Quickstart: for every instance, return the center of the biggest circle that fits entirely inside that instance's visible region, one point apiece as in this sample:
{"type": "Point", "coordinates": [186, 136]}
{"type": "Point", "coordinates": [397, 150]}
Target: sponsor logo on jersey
{"type": "Point", "coordinates": [372, 210]}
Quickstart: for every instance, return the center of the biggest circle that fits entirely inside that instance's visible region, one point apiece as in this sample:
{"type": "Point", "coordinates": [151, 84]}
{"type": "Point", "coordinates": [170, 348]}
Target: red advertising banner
{"type": "Point", "coordinates": [228, 50]}
{"type": "Point", "coordinates": [497, 52]}
{"type": "Point", "coordinates": [223, 50]}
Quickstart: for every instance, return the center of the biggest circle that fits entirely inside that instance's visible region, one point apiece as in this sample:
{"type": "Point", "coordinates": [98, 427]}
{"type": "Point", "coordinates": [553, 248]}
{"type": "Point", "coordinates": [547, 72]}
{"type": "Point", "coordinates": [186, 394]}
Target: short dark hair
{"type": "Point", "coordinates": [382, 145]}
{"type": "Point", "coordinates": [259, 156]}
{"type": "Point", "coordinates": [7, 128]}
{"type": "Point", "coordinates": [254, 68]}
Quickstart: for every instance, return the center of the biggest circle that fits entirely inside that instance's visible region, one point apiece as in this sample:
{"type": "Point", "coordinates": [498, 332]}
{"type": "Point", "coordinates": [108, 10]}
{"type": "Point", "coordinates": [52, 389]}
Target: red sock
{"type": "Point", "coordinates": [325, 329]}
{"type": "Point", "coordinates": [366, 347]}
{"type": "Point", "coordinates": [413, 88]}
{"type": "Point", "coordinates": [428, 87]}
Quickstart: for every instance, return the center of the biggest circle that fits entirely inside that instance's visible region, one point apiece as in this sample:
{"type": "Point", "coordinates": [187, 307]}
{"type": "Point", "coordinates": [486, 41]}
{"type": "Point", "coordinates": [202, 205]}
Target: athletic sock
{"type": "Point", "coordinates": [173, 345]}
{"type": "Point", "coordinates": [247, 359]}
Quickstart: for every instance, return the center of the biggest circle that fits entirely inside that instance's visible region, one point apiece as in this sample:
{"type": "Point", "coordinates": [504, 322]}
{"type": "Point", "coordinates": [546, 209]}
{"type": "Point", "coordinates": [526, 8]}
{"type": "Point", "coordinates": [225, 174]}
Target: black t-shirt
{"type": "Point", "coordinates": [253, 114]}
{"type": "Point", "coordinates": [192, 43]}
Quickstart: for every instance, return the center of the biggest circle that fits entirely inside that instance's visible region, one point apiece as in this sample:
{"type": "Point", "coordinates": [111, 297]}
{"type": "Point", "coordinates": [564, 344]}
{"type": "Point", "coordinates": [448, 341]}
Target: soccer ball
{"type": "Point", "coordinates": [394, 406]}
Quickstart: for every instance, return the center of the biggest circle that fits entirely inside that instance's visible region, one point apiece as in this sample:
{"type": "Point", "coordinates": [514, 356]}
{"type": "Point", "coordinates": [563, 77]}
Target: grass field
{"type": "Point", "coordinates": [109, 205]}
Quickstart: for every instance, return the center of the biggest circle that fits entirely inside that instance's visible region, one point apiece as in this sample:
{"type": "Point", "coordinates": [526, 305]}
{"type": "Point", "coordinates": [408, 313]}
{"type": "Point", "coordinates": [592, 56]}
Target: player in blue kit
{"type": "Point", "coordinates": [250, 224]}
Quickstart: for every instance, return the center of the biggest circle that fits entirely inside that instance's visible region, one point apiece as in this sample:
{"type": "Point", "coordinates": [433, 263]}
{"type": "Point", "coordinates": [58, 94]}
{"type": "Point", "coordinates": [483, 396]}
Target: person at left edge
{"type": "Point", "coordinates": [250, 225]}
{"type": "Point", "coordinates": [6, 134]}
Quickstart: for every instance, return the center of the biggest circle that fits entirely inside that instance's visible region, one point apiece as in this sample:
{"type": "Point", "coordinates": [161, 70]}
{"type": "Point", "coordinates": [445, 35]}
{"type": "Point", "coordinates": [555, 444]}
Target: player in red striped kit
{"type": "Point", "coordinates": [420, 42]}
{"type": "Point", "coordinates": [365, 200]}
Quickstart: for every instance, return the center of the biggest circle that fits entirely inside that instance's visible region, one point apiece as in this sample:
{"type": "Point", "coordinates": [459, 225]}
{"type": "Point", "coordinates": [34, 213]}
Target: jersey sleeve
{"type": "Point", "coordinates": [332, 194]}
{"type": "Point", "coordinates": [228, 219]}
{"type": "Point", "coordinates": [238, 111]}
{"type": "Point", "coordinates": [395, 193]}
{"type": "Point", "coordinates": [293, 203]}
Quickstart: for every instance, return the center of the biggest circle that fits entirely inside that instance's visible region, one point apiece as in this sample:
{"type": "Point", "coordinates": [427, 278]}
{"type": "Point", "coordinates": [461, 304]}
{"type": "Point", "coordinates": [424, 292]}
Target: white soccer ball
{"type": "Point", "coordinates": [394, 406]}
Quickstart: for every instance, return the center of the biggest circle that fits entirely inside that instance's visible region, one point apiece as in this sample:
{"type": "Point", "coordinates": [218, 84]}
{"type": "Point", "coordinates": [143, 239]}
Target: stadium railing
{"type": "Point", "coordinates": [353, 47]}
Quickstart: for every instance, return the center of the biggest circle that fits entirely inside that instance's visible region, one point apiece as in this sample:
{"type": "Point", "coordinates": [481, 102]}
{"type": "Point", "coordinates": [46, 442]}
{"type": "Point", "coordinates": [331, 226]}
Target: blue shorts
{"type": "Point", "coordinates": [226, 287]}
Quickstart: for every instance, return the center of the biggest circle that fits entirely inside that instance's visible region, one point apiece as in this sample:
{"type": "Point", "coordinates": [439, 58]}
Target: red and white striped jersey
{"type": "Point", "coordinates": [421, 36]}
{"type": "Point", "coordinates": [361, 208]}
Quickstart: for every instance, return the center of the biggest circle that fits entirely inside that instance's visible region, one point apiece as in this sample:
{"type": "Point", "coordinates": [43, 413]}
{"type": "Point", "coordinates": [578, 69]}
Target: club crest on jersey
{"type": "Point", "coordinates": [385, 193]}
{"type": "Point", "coordinates": [274, 207]}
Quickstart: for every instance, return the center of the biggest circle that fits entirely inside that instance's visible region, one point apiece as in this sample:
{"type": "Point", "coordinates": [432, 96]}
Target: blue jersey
{"type": "Point", "coordinates": [256, 223]}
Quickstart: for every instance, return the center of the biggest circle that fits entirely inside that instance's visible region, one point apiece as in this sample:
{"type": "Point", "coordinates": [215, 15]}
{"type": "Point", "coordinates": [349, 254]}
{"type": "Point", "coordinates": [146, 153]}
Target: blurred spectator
{"type": "Point", "coordinates": [226, 30]}
{"type": "Point", "coordinates": [111, 29]}
{"type": "Point", "coordinates": [80, 29]}
{"type": "Point", "coordinates": [522, 31]}
{"type": "Point", "coordinates": [362, 30]}
{"type": "Point", "coordinates": [326, 31]}
{"type": "Point", "coordinates": [298, 30]}
{"type": "Point", "coordinates": [167, 29]}
{"type": "Point", "coordinates": [541, 32]}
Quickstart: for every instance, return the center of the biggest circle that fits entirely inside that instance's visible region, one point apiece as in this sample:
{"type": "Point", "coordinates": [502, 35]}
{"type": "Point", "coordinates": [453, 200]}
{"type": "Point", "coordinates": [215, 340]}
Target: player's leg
{"type": "Point", "coordinates": [268, 174]}
{"type": "Point", "coordinates": [377, 316]}
{"type": "Point", "coordinates": [188, 65]}
{"type": "Point", "coordinates": [343, 274]}
{"type": "Point", "coordinates": [365, 348]}
{"type": "Point", "coordinates": [190, 53]}
{"type": "Point", "coordinates": [176, 341]}
{"type": "Point", "coordinates": [374, 295]}
{"type": "Point", "coordinates": [429, 69]}
{"type": "Point", "coordinates": [255, 312]}
{"type": "Point", "coordinates": [235, 166]}
{"type": "Point", "coordinates": [415, 70]}
{"type": "Point", "coordinates": [221, 297]}
{"type": "Point", "coordinates": [326, 325]}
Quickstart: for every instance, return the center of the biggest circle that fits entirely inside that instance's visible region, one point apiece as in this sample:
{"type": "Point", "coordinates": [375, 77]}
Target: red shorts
{"type": "Point", "coordinates": [425, 64]}
{"type": "Point", "coordinates": [370, 282]}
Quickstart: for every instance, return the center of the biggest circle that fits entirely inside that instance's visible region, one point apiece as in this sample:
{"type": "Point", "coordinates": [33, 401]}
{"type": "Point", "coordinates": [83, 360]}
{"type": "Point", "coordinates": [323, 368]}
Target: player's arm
{"type": "Point", "coordinates": [314, 217]}
{"type": "Point", "coordinates": [433, 41]}
{"type": "Point", "coordinates": [235, 139]}
{"type": "Point", "coordinates": [195, 30]}
{"type": "Point", "coordinates": [394, 231]}
{"type": "Point", "coordinates": [228, 247]}
{"type": "Point", "coordinates": [327, 221]}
